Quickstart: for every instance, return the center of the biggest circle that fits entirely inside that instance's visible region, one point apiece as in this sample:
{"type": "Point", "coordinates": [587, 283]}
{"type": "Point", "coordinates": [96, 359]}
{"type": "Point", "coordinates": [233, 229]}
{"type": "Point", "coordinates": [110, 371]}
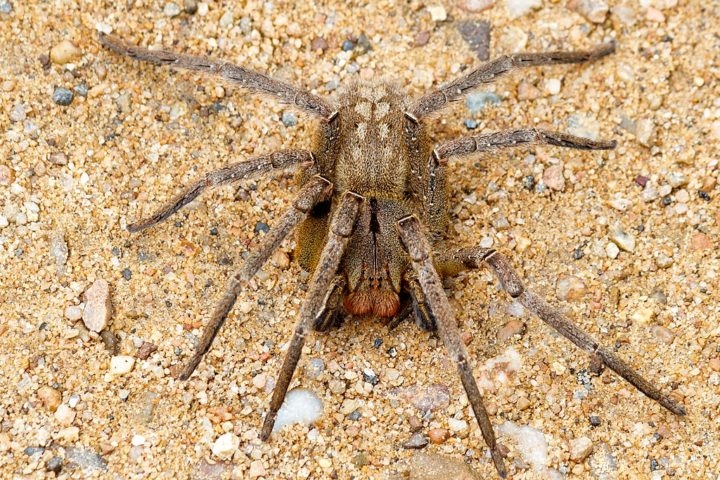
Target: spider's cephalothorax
{"type": "Point", "coordinates": [370, 212]}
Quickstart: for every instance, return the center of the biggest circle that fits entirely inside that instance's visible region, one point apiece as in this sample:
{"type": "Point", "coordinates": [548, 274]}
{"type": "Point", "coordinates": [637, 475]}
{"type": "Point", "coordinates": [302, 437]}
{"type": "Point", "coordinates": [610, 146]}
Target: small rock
{"type": "Point", "coordinates": [612, 250]}
{"type": "Point", "coordinates": [517, 8]}
{"type": "Point", "coordinates": [63, 96]}
{"type": "Point", "coordinates": [121, 364]}
{"type": "Point", "coordinates": [676, 179]}
{"type": "Point", "coordinates": [18, 113]}
{"type": "Point", "coordinates": [665, 335]}
{"type": "Point", "coordinates": [457, 426]}
{"type": "Point", "coordinates": [256, 469]}
{"type": "Point", "coordinates": [437, 13]}
{"type": "Point", "coordinates": [85, 458]}
{"type": "Point", "coordinates": [6, 7]}
{"type": "Point", "coordinates": [553, 85]}
{"type": "Point", "coordinates": [580, 449]}
{"type": "Point", "coordinates": [475, 6]}
{"type": "Point", "coordinates": [318, 43]}
{"type": "Point", "coordinates": [64, 52]}
{"type": "Point", "coordinates": [289, 119]}
{"type": "Point", "coordinates": [50, 397]}
{"type": "Point", "coordinates": [476, 34]}
{"type": "Point", "coordinates": [715, 364]}
{"type": "Point", "coordinates": [553, 177]}
{"type": "Point", "coordinates": [300, 405]}
{"type": "Point", "coordinates": [425, 398]}
{"type": "Point", "coordinates": [171, 10]}
{"type": "Point", "coordinates": [620, 204]}
{"type": "Point", "coordinates": [422, 38]}
{"type": "Point", "coordinates": [416, 441]}
{"type": "Point", "coordinates": [145, 350]}
{"type": "Point", "coordinates": [337, 387]}
{"type": "Point", "coordinates": [226, 445]}
{"type": "Point", "coordinates": [59, 250]}
{"type": "Point", "coordinates": [645, 132]}
{"type": "Point", "coordinates": [593, 10]}
{"type": "Point", "coordinates": [98, 306]}
{"type": "Point", "coordinates": [569, 288]}
{"type": "Point", "coordinates": [438, 435]}
{"type": "Point", "coordinates": [190, 7]}
{"type": "Point", "coordinates": [476, 101]}
{"type": "Point", "coordinates": [54, 465]}
{"type": "Point", "coordinates": [624, 240]}
{"type": "Point", "coordinates": [510, 329]}
{"type": "Point", "coordinates": [73, 313]}
{"type": "Point", "coordinates": [58, 158]}
{"type": "Point", "coordinates": [64, 415]}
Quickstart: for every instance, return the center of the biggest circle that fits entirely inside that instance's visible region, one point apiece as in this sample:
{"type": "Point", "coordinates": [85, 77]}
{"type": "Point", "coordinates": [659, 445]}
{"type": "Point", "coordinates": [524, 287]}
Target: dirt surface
{"type": "Point", "coordinates": [73, 176]}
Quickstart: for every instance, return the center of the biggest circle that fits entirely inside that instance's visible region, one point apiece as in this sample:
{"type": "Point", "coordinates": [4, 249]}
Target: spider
{"type": "Point", "coordinates": [372, 211]}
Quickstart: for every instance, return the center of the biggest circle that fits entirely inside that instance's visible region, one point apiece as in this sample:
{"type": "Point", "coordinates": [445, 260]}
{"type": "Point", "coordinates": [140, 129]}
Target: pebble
{"type": "Point", "coordinates": [570, 288]}
{"type": "Point", "coordinates": [64, 415]}
{"type": "Point", "coordinates": [6, 7]}
{"type": "Point", "coordinates": [553, 177]}
{"type": "Point", "coordinates": [289, 119]}
{"type": "Point", "coordinates": [643, 315]}
{"type": "Point", "coordinates": [226, 445]}
{"type": "Point", "coordinates": [437, 13]}
{"type": "Point", "coordinates": [318, 43]}
{"type": "Point", "coordinates": [624, 240]}
{"type": "Point", "coordinates": [57, 158]}
{"type": "Point", "coordinates": [63, 96]}
{"type": "Point", "coordinates": [171, 10]}
{"type": "Point", "coordinates": [620, 204]}
{"type": "Point", "coordinates": [438, 435]}
{"type": "Point", "coordinates": [18, 113]}
{"type": "Point", "coordinates": [73, 312]}
{"type": "Point", "coordinates": [645, 132]}
{"type": "Point", "coordinates": [59, 250]}
{"type": "Point", "coordinates": [121, 364]}
{"type": "Point", "coordinates": [665, 335]}
{"type": "Point", "coordinates": [98, 306]}
{"type": "Point", "coordinates": [300, 405]}
{"type": "Point", "coordinates": [64, 52]}
{"type": "Point", "coordinates": [676, 179]}
{"type": "Point", "coordinates": [518, 8]}
{"type": "Point", "coordinates": [370, 377]}
{"type": "Point", "coordinates": [54, 465]}
{"type": "Point", "coordinates": [593, 10]}
{"type": "Point", "coordinates": [476, 34]}
{"type": "Point", "coordinates": [475, 6]}
{"type": "Point", "coordinates": [190, 7]}
{"type": "Point", "coordinates": [580, 449]}
{"type": "Point", "coordinates": [612, 250]}
{"type": "Point", "coordinates": [336, 386]}
{"type": "Point", "coordinates": [715, 364]}
{"type": "Point", "coordinates": [510, 329]}
{"type": "Point", "coordinates": [457, 426]}
{"type": "Point", "coordinates": [416, 441]}
{"type": "Point", "coordinates": [553, 85]}
{"type": "Point", "coordinates": [145, 350]}
{"type": "Point", "coordinates": [426, 398]}
{"type": "Point", "coordinates": [50, 397]}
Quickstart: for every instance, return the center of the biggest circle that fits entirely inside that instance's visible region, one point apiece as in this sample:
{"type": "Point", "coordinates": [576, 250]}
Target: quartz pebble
{"type": "Point", "coordinates": [64, 52]}
{"type": "Point", "coordinates": [121, 364]}
{"type": "Point", "coordinates": [437, 13]}
{"type": "Point", "coordinates": [226, 445]}
{"type": "Point", "coordinates": [98, 306]}
{"type": "Point", "coordinates": [510, 329]}
{"type": "Point", "coordinates": [475, 6]}
{"type": "Point", "coordinates": [612, 250]}
{"type": "Point", "coordinates": [665, 335]}
{"type": "Point", "coordinates": [256, 469]}
{"type": "Point", "coordinates": [624, 240]}
{"type": "Point", "coordinates": [518, 8]}
{"type": "Point", "coordinates": [300, 405]}
{"type": "Point", "coordinates": [645, 132]}
{"type": "Point", "coordinates": [580, 449]}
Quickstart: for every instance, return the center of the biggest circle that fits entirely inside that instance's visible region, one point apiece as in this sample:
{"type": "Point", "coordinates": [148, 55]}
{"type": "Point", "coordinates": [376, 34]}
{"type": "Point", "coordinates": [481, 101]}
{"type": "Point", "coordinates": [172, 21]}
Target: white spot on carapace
{"type": "Point", "coordinates": [381, 109]}
{"type": "Point", "coordinates": [364, 109]}
{"type": "Point", "coordinates": [356, 152]}
{"type": "Point", "coordinates": [383, 130]}
{"type": "Point", "coordinates": [361, 129]}
{"type": "Point", "coordinates": [373, 93]}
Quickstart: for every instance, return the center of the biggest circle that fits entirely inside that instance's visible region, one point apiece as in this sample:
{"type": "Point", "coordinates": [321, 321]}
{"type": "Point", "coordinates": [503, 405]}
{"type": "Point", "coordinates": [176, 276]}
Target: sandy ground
{"type": "Point", "coordinates": [72, 177]}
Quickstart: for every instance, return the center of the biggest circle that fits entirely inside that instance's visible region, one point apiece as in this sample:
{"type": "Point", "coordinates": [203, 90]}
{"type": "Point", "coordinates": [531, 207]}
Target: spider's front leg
{"type": "Point", "coordinates": [471, 258]}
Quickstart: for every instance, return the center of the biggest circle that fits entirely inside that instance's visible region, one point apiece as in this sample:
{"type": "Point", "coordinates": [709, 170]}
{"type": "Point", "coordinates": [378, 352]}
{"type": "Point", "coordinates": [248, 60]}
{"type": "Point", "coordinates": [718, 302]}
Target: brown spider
{"type": "Point", "coordinates": [372, 210]}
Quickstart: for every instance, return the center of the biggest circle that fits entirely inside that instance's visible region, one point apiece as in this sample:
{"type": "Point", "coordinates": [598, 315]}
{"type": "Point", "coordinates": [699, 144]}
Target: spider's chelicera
{"type": "Point", "coordinates": [371, 213]}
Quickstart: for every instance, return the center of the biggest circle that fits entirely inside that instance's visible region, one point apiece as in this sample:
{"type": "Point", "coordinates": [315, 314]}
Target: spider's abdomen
{"type": "Point", "coordinates": [372, 150]}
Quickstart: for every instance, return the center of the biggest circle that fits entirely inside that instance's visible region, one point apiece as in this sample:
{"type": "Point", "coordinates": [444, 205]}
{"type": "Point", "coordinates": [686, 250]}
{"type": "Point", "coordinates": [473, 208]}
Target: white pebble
{"type": "Point", "coordinates": [517, 8]}
{"type": "Point", "coordinates": [580, 448]}
{"type": "Point", "coordinates": [64, 415]}
{"type": "Point", "coordinates": [552, 85]}
{"type": "Point", "coordinates": [64, 52]}
{"type": "Point", "coordinates": [623, 239]}
{"type": "Point", "coordinates": [121, 364]}
{"type": "Point", "coordinates": [137, 440]}
{"type": "Point", "coordinates": [457, 425]}
{"type": "Point", "coordinates": [171, 10]}
{"type": "Point", "coordinates": [612, 250]}
{"type": "Point", "coordinates": [300, 405]}
{"type": "Point", "coordinates": [226, 445]}
{"type": "Point", "coordinates": [437, 13]}
{"type": "Point", "coordinates": [73, 313]}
